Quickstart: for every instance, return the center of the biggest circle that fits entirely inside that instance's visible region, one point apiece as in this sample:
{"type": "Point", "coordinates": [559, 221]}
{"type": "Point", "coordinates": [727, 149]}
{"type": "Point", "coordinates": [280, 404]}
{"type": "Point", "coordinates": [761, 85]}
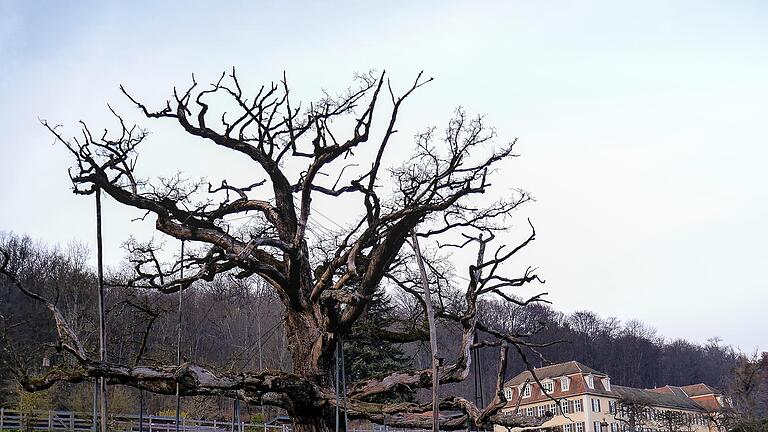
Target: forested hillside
{"type": "Point", "coordinates": [232, 324]}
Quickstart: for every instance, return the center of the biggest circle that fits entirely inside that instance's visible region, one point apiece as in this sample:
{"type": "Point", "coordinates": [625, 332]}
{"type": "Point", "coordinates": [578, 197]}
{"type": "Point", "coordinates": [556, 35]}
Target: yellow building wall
{"type": "Point", "coordinates": [588, 416]}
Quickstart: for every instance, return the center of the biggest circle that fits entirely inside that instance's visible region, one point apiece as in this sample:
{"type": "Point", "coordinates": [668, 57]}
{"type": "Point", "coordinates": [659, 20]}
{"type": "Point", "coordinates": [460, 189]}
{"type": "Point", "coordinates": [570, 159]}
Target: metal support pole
{"type": "Point", "coordinates": [478, 372]}
{"type": "Point", "coordinates": [95, 421]}
{"type": "Point", "coordinates": [261, 355]}
{"type": "Point", "coordinates": [102, 324]}
{"type": "Point", "coordinates": [336, 385]}
{"type": "Point", "coordinates": [141, 410]}
{"type": "Point", "coordinates": [343, 383]}
{"type": "Point", "coordinates": [235, 411]}
{"type": "Point", "coordinates": [178, 339]}
{"type": "Point", "coordinates": [432, 334]}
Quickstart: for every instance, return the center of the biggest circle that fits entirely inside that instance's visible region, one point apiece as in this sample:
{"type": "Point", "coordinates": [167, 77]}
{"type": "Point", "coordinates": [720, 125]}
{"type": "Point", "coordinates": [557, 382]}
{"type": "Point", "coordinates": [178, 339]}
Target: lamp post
{"type": "Point", "coordinates": [603, 425]}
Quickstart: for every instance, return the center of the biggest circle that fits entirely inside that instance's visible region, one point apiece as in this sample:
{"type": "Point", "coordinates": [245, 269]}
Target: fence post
{"type": "Point", "coordinates": [50, 420]}
{"type": "Point", "coordinates": [150, 423]}
{"type": "Point", "coordinates": [2, 418]}
{"type": "Point", "coordinates": [72, 421]}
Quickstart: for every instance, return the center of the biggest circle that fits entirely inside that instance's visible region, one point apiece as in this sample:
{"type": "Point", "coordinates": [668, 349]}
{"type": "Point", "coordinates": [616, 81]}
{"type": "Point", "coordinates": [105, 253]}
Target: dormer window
{"type": "Point", "coordinates": [565, 383]}
{"type": "Point", "coordinates": [526, 391]}
{"type": "Point", "coordinates": [548, 386]}
{"type": "Point", "coordinates": [508, 393]}
{"type": "Point", "coordinates": [607, 383]}
{"type": "Point", "coordinates": [590, 381]}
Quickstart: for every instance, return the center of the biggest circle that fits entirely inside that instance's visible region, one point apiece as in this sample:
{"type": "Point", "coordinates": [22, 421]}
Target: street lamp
{"type": "Point", "coordinates": [603, 425]}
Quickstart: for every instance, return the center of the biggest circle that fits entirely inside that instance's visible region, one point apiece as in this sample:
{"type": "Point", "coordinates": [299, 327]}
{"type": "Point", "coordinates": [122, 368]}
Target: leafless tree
{"type": "Point", "coordinates": [323, 280]}
{"type": "Point", "coordinates": [746, 406]}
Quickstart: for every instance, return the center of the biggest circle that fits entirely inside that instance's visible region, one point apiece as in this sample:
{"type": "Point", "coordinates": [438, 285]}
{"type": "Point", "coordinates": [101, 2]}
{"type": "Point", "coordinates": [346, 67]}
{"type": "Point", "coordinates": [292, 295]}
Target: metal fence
{"type": "Point", "coordinates": [73, 421]}
{"type": "Point", "coordinates": [13, 420]}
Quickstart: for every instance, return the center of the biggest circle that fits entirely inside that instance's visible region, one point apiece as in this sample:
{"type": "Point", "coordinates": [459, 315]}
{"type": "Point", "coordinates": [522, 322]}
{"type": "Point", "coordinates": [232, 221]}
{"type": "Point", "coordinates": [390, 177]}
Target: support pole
{"type": "Point", "coordinates": [102, 328]}
{"type": "Point", "coordinates": [141, 410]}
{"type": "Point", "coordinates": [343, 383]}
{"type": "Point", "coordinates": [479, 393]}
{"type": "Point", "coordinates": [178, 340]}
{"type": "Point", "coordinates": [336, 385]}
{"type": "Point", "coordinates": [95, 421]}
{"type": "Point", "coordinates": [432, 334]}
{"type": "Point", "coordinates": [261, 355]}
{"type": "Point", "coordinates": [235, 416]}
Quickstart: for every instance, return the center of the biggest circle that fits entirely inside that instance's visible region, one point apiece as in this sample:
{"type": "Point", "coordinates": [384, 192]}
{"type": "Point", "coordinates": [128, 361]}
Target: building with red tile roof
{"type": "Point", "coordinates": [579, 398]}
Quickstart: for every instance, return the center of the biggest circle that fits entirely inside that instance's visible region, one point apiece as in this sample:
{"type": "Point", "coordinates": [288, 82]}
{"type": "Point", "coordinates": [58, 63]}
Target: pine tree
{"type": "Point", "coordinates": [366, 355]}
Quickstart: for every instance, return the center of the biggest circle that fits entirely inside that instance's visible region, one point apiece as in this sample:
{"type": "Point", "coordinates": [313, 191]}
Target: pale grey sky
{"type": "Point", "coordinates": [642, 125]}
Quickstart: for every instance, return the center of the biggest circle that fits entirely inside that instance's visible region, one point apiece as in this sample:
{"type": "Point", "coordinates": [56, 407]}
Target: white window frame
{"type": "Point", "coordinates": [564, 407]}
{"type": "Point", "coordinates": [595, 405]}
{"type": "Point", "coordinates": [529, 411]}
{"type": "Point", "coordinates": [568, 427]}
{"type": "Point", "coordinates": [542, 410]}
{"type": "Point", "coordinates": [508, 393]}
{"type": "Point", "coordinates": [590, 381]}
{"type": "Point", "coordinates": [526, 391]}
{"type": "Point", "coordinates": [565, 384]}
{"type": "Point", "coordinates": [596, 426]}
{"type": "Point", "coordinates": [579, 427]}
{"type": "Point", "coordinates": [607, 383]}
{"type": "Point", "coordinates": [548, 387]}
{"type": "Point", "coordinates": [578, 406]}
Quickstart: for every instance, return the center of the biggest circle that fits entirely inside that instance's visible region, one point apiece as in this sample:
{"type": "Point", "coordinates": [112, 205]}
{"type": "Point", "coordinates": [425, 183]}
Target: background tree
{"type": "Point", "coordinates": [747, 405]}
{"type": "Point", "coordinates": [221, 331]}
{"type": "Point", "coordinates": [324, 282]}
{"type": "Point", "coordinates": [370, 353]}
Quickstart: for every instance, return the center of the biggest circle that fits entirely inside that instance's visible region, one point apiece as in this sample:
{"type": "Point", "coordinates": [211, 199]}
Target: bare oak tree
{"type": "Point", "coordinates": [324, 281]}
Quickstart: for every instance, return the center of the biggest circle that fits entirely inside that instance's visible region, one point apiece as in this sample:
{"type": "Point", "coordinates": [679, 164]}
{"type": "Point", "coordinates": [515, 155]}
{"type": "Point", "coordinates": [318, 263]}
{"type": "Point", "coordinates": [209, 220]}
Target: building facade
{"type": "Point", "coordinates": [581, 399]}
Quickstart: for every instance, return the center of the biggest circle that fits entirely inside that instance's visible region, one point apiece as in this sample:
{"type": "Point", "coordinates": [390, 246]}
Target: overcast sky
{"type": "Point", "coordinates": [642, 125]}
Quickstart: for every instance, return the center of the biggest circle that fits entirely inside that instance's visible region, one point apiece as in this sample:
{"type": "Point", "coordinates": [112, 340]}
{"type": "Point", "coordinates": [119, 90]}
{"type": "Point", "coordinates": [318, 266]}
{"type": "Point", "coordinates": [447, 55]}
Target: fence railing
{"type": "Point", "coordinates": [13, 420]}
{"type": "Point", "coordinates": [82, 422]}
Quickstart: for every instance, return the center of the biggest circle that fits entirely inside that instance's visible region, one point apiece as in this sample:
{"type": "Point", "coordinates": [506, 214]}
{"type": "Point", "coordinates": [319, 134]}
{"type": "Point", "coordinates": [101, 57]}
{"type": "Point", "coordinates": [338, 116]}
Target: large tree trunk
{"type": "Point", "coordinates": [303, 423]}
{"type": "Point", "coordinates": [314, 423]}
{"type": "Point", "coordinates": [312, 354]}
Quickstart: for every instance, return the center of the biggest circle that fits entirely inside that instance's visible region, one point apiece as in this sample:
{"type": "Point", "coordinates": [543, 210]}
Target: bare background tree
{"type": "Point", "coordinates": [220, 331]}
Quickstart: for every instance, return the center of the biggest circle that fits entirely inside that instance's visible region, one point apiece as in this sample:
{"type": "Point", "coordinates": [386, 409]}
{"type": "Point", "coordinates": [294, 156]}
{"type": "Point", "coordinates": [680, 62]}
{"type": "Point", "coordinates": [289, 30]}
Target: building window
{"type": "Point", "coordinates": [590, 381]}
{"type": "Point", "coordinates": [553, 408]}
{"type": "Point", "coordinates": [565, 383]}
{"type": "Point", "coordinates": [564, 407]}
{"type": "Point", "coordinates": [529, 411]}
{"type": "Point", "coordinates": [508, 393]}
{"type": "Point", "coordinates": [542, 410]}
{"type": "Point", "coordinates": [614, 427]}
{"type": "Point", "coordinates": [548, 386]}
{"type": "Point", "coordinates": [612, 407]}
{"type": "Point", "coordinates": [595, 405]}
{"type": "Point", "coordinates": [580, 427]}
{"type": "Point", "coordinates": [607, 383]}
{"type": "Point", "coordinates": [577, 406]}
{"type": "Point", "coordinates": [596, 426]}
{"type": "Point", "coordinates": [568, 427]}
{"type": "Point", "coordinates": [527, 391]}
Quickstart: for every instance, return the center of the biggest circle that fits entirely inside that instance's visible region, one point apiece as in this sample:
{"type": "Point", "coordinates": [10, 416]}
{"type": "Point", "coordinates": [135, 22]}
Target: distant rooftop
{"type": "Point", "coordinates": [694, 397]}
{"type": "Point", "coordinates": [655, 398]}
{"type": "Point", "coordinates": [553, 371]}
